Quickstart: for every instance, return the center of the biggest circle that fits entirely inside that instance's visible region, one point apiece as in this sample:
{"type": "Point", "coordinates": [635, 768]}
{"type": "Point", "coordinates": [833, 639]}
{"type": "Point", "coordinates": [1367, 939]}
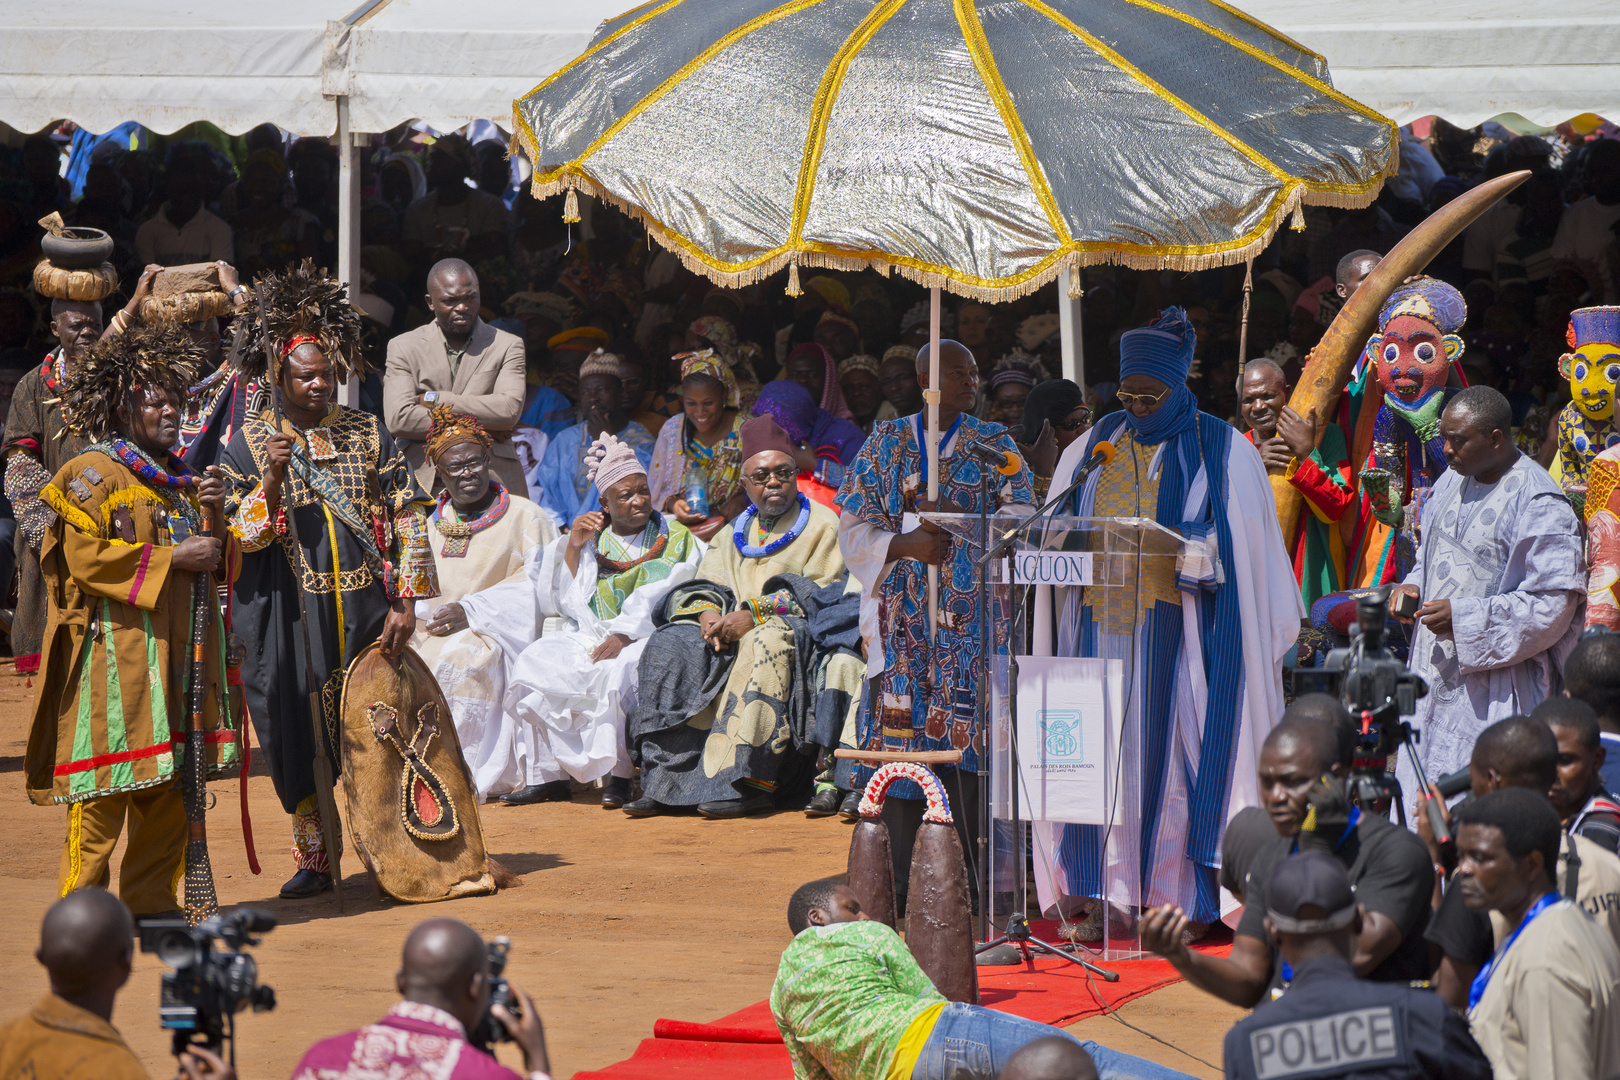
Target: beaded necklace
{"type": "Point", "coordinates": [49, 373]}
{"type": "Point", "coordinates": [177, 492]}
{"type": "Point", "coordinates": [458, 534]}
{"type": "Point", "coordinates": [140, 463]}
{"type": "Point", "coordinates": [739, 532]}
{"type": "Point", "coordinates": [653, 540]}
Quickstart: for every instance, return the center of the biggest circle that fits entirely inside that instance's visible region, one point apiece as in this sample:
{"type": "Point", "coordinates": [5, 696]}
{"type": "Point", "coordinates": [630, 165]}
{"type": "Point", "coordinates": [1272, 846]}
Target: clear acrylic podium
{"type": "Point", "coordinates": [1133, 563]}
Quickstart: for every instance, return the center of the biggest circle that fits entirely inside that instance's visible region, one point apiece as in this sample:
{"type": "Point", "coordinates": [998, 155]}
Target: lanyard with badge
{"type": "Point", "coordinates": [922, 444]}
{"type": "Point", "coordinates": [1477, 989]}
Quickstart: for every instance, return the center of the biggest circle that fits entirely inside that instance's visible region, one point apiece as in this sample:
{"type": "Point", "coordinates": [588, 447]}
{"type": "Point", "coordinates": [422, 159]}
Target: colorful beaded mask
{"type": "Point", "coordinates": [1417, 339]}
{"type": "Point", "coordinates": [1593, 368]}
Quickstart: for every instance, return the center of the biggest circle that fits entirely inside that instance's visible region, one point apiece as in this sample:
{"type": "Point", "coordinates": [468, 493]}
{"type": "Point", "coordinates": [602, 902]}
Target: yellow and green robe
{"type": "Point", "coordinates": [362, 530]}
{"type": "Point", "coordinates": [110, 717]}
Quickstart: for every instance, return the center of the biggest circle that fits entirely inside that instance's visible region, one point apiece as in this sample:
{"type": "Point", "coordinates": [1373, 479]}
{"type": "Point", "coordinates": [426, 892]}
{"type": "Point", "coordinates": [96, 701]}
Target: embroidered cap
{"type": "Point", "coordinates": [608, 461]}
{"type": "Point", "coordinates": [600, 362]}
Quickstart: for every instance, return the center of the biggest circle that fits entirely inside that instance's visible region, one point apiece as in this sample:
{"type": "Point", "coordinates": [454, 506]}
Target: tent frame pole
{"type": "Point", "coordinates": [348, 260]}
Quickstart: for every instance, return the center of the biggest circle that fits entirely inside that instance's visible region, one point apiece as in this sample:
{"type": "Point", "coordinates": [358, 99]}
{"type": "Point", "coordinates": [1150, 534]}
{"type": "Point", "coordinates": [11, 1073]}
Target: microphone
{"type": "Point", "coordinates": [1101, 454]}
{"type": "Point", "coordinates": [1454, 784]}
{"type": "Point", "coordinates": [1004, 462]}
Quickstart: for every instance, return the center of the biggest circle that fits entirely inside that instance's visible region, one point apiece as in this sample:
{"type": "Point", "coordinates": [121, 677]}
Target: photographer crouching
{"type": "Point", "coordinates": [446, 978]}
{"type": "Point", "coordinates": [86, 943]}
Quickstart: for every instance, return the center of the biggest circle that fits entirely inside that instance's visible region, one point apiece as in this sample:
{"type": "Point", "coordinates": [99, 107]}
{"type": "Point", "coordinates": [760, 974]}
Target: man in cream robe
{"type": "Point", "coordinates": [469, 636]}
{"type": "Point", "coordinates": [572, 687]}
{"type": "Point", "coordinates": [1207, 644]}
{"type": "Point", "coordinates": [725, 690]}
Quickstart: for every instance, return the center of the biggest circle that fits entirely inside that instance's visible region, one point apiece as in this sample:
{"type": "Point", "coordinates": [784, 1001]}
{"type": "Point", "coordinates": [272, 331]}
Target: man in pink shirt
{"type": "Point", "coordinates": [444, 979]}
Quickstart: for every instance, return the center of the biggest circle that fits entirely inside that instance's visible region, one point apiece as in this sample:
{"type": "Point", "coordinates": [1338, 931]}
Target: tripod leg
{"type": "Point", "coordinates": [988, 945]}
{"type": "Point", "coordinates": [1108, 976]}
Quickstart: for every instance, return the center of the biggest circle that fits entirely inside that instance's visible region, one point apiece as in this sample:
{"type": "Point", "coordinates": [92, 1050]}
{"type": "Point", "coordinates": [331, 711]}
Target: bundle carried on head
{"type": "Point", "coordinates": [186, 294]}
{"type": "Point", "coordinates": [115, 369]}
{"type": "Point", "coordinates": [300, 304]}
{"type": "Point", "coordinates": [75, 265]}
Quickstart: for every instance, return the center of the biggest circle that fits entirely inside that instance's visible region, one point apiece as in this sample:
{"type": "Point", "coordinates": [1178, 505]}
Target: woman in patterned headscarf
{"type": "Point", "coordinates": [825, 445]}
{"type": "Point", "coordinates": [717, 333]}
{"type": "Point", "coordinates": [813, 367]}
{"type": "Point", "coordinates": [705, 436]}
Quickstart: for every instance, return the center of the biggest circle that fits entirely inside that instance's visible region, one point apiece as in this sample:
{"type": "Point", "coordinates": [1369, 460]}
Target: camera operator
{"type": "Point", "coordinates": [1330, 1023]}
{"type": "Point", "coordinates": [1250, 831]}
{"type": "Point", "coordinates": [444, 977]}
{"type": "Point", "coordinates": [1500, 578]}
{"type": "Point", "coordinates": [1301, 778]}
{"type": "Point", "coordinates": [86, 943]}
{"type": "Point", "coordinates": [1519, 754]}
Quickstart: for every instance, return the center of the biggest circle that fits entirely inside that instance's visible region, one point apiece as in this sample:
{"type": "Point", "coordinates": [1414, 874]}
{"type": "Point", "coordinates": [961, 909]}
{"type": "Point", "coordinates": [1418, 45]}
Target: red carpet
{"type": "Point", "coordinates": [747, 1046]}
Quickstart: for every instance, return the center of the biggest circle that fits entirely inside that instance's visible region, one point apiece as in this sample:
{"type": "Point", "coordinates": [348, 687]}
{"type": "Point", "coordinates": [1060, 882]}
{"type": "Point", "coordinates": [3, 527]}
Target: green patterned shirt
{"type": "Point", "coordinates": [843, 997]}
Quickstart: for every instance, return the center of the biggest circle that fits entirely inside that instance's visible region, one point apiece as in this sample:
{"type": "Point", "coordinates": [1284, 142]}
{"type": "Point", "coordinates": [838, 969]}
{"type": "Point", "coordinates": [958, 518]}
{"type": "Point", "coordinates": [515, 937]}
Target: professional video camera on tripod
{"type": "Point", "coordinates": [1379, 691]}
{"type": "Point", "coordinates": [200, 998]}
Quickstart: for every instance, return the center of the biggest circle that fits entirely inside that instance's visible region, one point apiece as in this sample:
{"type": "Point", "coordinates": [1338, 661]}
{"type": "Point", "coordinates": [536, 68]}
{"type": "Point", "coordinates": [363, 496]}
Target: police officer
{"type": "Point", "coordinates": [1330, 1023]}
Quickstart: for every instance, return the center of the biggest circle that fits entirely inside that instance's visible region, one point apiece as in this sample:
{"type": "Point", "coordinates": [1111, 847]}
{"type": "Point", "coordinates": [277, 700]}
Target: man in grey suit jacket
{"type": "Point", "coordinates": [461, 361]}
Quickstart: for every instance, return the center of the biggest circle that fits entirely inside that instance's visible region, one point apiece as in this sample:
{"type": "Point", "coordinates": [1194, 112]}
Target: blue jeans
{"type": "Point", "coordinates": [973, 1043]}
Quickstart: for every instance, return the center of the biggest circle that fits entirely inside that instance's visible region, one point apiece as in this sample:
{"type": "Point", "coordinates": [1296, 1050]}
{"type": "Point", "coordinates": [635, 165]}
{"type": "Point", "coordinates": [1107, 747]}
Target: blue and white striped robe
{"type": "Point", "coordinates": [1184, 822]}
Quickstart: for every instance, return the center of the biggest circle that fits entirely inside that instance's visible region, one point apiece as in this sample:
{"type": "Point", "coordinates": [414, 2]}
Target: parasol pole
{"type": "Point", "coordinates": [931, 400]}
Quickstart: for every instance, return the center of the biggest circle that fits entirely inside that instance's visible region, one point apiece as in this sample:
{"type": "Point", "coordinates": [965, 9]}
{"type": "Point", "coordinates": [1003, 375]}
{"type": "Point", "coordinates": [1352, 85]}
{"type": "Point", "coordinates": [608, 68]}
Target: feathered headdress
{"type": "Point", "coordinates": [109, 374]}
{"type": "Point", "coordinates": [301, 304]}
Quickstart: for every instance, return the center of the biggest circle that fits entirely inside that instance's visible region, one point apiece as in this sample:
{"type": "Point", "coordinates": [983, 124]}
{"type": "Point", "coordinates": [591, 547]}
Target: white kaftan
{"type": "Point", "coordinates": [491, 584]}
{"type": "Point", "coordinates": [574, 709]}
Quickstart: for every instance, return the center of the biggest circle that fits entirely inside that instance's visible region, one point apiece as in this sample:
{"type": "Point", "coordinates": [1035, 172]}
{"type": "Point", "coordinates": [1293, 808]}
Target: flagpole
{"type": "Point", "coordinates": [931, 396]}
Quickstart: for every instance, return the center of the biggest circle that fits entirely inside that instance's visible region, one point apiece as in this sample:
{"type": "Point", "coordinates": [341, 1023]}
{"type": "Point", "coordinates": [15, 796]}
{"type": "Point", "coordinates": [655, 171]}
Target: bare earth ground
{"type": "Point", "coordinates": [617, 922]}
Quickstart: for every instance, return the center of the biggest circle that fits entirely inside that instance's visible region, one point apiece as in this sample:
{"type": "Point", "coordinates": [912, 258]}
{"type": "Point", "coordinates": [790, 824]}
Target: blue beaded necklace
{"type": "Point", "coordinates": [739, 532]}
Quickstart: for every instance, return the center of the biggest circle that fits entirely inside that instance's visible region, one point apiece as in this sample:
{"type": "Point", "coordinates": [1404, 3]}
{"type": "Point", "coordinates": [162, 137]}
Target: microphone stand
{"type": "Point", "coordinates": [1017, 932]}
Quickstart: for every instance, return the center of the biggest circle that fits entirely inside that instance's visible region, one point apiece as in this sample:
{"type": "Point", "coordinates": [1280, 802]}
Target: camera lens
{"type": "Point", "coordinates": [178, 949]}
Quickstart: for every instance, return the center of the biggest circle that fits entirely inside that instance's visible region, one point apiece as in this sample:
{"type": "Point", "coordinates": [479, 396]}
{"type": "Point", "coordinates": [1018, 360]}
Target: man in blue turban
{"type": "Point", "coordinates": [1199, 636]}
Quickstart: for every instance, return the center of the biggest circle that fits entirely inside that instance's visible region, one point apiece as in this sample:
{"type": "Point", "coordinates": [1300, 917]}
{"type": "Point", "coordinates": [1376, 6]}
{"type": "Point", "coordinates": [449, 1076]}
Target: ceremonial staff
{"type": "Point", "coordinates": [201, 901]}
{"type": "Point", "coordinates": [325, 779]}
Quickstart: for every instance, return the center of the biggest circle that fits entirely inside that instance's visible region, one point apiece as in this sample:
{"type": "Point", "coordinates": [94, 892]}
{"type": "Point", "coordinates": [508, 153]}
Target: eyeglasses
{"type": "Point", "coordinates": [1074, 424]}
{"type": "Point", "coordinates": [784, 473]}
{"type": "Point", "coordinates": [1149, 400]}
{"type": "Point", "coordinates": [465, 468]}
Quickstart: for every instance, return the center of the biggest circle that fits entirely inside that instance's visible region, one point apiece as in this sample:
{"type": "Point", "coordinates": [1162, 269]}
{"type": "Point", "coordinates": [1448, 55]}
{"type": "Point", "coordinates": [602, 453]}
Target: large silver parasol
{"type": "Point", "coordinates": [981, 146]}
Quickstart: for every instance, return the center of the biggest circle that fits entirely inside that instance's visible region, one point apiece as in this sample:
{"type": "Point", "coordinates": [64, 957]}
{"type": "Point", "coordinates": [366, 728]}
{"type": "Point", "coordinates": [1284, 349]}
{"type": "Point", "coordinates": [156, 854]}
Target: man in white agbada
{"type": "Point", "coordinates": [1501, 580]}
{"type": "Point", "coordinates": [601, 583]}
{"type": "Point", "coordinates": [469, 635]}
{"type": "Point", "coordinates": [1207, 642]}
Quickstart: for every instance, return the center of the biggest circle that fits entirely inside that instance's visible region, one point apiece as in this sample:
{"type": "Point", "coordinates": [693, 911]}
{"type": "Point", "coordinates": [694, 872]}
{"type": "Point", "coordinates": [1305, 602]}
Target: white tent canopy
{"type": "Point", "coordinates": [166, 63]}
{"type": "Point", "coordinates": [1463, 60]}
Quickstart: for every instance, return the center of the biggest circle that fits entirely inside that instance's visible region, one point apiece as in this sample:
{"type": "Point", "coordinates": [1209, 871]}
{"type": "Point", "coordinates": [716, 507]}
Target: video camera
{"type": "Point", "coordinates": [1378, 690]}
{"type": "Point", "coordinates": [207, 988]}
{"type": "Point", "coordinates": [489, 1030]}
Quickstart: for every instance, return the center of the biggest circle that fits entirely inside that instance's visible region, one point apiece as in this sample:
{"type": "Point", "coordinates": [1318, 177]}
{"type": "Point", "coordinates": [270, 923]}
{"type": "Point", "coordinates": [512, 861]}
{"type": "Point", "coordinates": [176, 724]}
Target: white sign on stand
{"type": "Point", "coordinates": [1068, 720]}
{"type": "Point", "coordinates": [1052, 568]}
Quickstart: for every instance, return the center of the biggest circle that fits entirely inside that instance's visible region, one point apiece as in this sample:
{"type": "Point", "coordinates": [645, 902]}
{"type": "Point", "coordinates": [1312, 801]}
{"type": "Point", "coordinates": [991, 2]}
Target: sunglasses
{"type": "Point", "coordinates": [1074, 424]}
{"type": "Point", "coordinates": [783, 473]}
{"type": "Point", "coordinates": [1149, 400]}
